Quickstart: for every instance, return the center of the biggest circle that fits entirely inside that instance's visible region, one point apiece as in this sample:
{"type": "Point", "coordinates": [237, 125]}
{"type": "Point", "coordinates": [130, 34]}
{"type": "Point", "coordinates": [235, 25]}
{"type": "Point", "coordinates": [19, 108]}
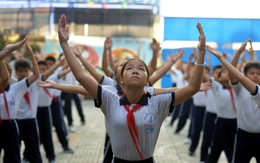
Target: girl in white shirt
{"type": "Point", "coordinates": [149, 113]}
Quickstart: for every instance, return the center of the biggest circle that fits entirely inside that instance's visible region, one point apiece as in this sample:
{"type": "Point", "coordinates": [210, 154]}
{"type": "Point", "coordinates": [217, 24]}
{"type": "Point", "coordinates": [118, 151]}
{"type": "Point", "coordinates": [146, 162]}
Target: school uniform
{"type": "Point", "coordinates": [199, 100]}
{"type": "Point", "coordinates": [44, 119]}
{"type": "Point", "coordinates": [209, 125]}
{"type": "Point", "coordinates": [10, 99]}
{"type": "Point", "coordinates": [110, 84]}
{"type": "Point", "coordinates": [226, 124]}
{"type": "Point", "coordinates": [148, 120]}
{"type": "Point", "coordinates": [247, 143]}
{"type": "Point", "coordinates": [27, 122]}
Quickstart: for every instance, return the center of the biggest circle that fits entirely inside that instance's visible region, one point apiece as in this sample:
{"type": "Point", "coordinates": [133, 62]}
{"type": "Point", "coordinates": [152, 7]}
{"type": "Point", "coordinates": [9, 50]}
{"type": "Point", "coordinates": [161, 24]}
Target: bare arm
{"type": "Point", "coordinates": [35, 68]}
{"type": "Point", "coordinates": [155, 46]}
{"type": "Point", "coordinates": [105, 64]}
{"type": "Point", "coordinates": [234, 61]}
{"type": "Point", "coordinates": [91, 69]}
{"type": "Point", "coordinates": [4, 75]}
{"type": "Point", "coordinates": [69, 88]}
{"type": "Point", "coordinates": [11, 48]}
{"type": "Point", "coordinates": [88, 83]}
{"type": "Point", "coordinates": [165, 68]}
{"type": "Point", "coordinates": [194, 85]}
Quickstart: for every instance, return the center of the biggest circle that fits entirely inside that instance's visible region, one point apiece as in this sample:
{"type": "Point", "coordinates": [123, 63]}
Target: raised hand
{"type": "Point", "coordinates": [46, 84]}
{"type": "Point", "coordinates": [214, 51]}
{"type": "Point", "coordinates": [77, 52]}
{"type": "Point", "coordinates": [155, 45]}
{"type": "Point", "coordinates": [178, 55]}
{"type": "Point", "coordinates": [63, 29]}
{"type": "Point", "coordinates": [12, 47]}
{"type": "Point", "coordinates": [205, 86]}
{"type": "Point", "coordinates": [202, 38]}
{"type": "Point", "coordinates": [108, 43]}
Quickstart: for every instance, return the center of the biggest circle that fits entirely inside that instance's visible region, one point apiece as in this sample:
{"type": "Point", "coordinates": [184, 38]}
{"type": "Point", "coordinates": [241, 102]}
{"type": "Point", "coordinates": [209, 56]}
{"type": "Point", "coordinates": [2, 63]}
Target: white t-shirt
{"type": "Point", "coordinates": [248, 110]}
{"type": "Point", "coordinates": [148, 121]}
{"type": "Point", "coordinates": [13, 96]}
{"type": "Point", "coordinates": [177, 77]}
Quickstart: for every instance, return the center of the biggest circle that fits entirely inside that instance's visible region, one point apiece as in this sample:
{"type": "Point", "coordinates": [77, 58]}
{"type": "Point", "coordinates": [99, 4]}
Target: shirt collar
{"type": "Point", "coordinates": [143, 100]}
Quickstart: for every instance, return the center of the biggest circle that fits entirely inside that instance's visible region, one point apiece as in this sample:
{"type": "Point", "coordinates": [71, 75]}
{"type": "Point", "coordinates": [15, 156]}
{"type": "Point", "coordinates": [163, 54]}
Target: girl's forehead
{"type": "Point", "coordinates": [136, 62]}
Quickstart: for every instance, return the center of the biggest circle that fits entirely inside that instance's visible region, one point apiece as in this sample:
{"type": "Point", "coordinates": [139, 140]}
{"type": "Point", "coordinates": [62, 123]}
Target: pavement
{"type": "Point", "coordinates": [88, 141]}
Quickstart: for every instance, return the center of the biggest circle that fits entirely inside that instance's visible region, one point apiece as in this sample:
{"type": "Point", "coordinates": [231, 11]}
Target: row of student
{"type": "Point", "coordinates": [25, 108]}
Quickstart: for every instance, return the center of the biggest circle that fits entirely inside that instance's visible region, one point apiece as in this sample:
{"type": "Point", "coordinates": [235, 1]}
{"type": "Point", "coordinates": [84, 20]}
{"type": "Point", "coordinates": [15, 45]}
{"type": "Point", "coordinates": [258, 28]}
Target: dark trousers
{"type": "Point", "coordinates": [247, 145]}
{"type": "Point", "coordinates": [66, 97]}
{"type": "Point", "coordinates": [28, 129]}
{"type": "Point", "coordinates": [175, 114]}
{"type": "Point", "coordinates": [208, 132]}
{"type": "Point", "coordinates": [79, 107]}
{"type": "Point", "coordinates": [58, 122]}
{"type": "Point", "coordinates": [223, 139]}
{"type": "Point", "coordinates": [197, 124]}
{"type": "Point", "coordinates": [108, 153]}
{"type": "Point", "coordinates": [9, 141]}
{"type": "Point", "coordinates": [44, 123]}
{"type": "Point", "coordinates": [184, 114]}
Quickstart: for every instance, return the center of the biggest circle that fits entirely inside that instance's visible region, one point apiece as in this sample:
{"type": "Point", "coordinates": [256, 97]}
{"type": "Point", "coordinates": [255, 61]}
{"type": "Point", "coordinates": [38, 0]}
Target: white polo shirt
{"type": "Point", "coordinates": [24, 110]}
{"type": "Point", "coordinates": [13, 95]}
{"type": "Point", "coordinates": [211, 104]}
{"type": "Point", "coordinates": [44, 99]}
{"type": "Point", "coordinates": [200, 98]}
{"type": "Point", "coordinates": [148, 121]}
{"type": "Point", "coordinates": [225, 107]}
{"type": "Point", "coordinates": [177, 76]}
{"type": "Point", "coordinates": [248, 110]}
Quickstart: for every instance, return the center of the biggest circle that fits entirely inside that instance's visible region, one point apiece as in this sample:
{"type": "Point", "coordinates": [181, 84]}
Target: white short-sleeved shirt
{"type": "Point", "coordinates": [13, 95]}
{"type": "Point", "coordinates": [148, 121]}
{"type": "Point", "coordinates": [248, 110]}
{"type": "Point", "coordinates": [177, 77]}
{"type": "Point", "coordinates": [211, 104]}
{"type": "Point", "coordinates": [225, 107]}
{"type": "Point", "coordinates": [24, 110]}
{"type": "Point", "coordinates": [199, 99]}
{"type": "Point", "coordinates": [44, 99]}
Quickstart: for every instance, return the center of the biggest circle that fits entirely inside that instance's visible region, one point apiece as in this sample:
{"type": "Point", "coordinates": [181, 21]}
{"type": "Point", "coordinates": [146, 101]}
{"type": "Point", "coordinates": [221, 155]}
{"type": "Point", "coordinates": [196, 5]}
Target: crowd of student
{"type": "Point", "coordinates": [223, 104]}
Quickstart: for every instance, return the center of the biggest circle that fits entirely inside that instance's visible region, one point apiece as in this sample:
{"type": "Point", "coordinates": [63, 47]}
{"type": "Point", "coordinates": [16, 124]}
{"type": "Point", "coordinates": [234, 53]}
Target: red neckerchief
{"type": "Point", "coordinates": [27, 99]}
{"type": "Point", "coordinates": [50, 95]}
{"type": "Point", "coordinates": [6, 107]}
{"type": "Point", "coordinates": [132, 127]}
{"type": "Point", "coordinates": [232, 98]}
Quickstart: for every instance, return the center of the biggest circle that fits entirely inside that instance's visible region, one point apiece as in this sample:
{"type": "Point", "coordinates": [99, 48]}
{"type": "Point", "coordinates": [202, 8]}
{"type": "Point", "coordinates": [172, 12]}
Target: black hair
{"type": "Point", "coordinates": [22, 63]}
{"type": "Point", "coordinates": [220, 71]}
{"type": "Point", "coordinates": [42, 63]}
{"type": "Point", "coordinates": [250, 65]}
{"type": "Point", "coordinates": [132, 59]}
{"type": "Point", "coordinates": [50, 58]}
{"type": "Point", "coordinates": [207, 68]}
{"type": "Point", "coordinates": [216, 67]}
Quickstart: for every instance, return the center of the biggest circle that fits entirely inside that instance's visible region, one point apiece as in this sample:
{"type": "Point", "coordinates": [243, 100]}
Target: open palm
{"type": "Point", "coordinates": [63, 29]}
{"type": "Point", "coordinates": [214, 51]}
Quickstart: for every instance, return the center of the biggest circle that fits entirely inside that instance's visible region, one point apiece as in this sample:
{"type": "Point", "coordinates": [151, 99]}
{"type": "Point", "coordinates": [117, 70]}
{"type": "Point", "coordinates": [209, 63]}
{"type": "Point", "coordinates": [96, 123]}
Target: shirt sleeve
{"type": "Point", "coordinates": [256, 96]}
{"type": "Point", "coordinates": [236, 87]}
{"type": "Point", "coordinates": [165, 103]}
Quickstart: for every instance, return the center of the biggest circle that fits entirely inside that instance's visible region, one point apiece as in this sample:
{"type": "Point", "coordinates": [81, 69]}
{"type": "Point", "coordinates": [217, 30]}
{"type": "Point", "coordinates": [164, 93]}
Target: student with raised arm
{"type": "Point", "coordinates": [246, 88]}
{"type": "Point", "coordinates": [10, 96]}
{"type": "Point", "coordinates": [135, 143]}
